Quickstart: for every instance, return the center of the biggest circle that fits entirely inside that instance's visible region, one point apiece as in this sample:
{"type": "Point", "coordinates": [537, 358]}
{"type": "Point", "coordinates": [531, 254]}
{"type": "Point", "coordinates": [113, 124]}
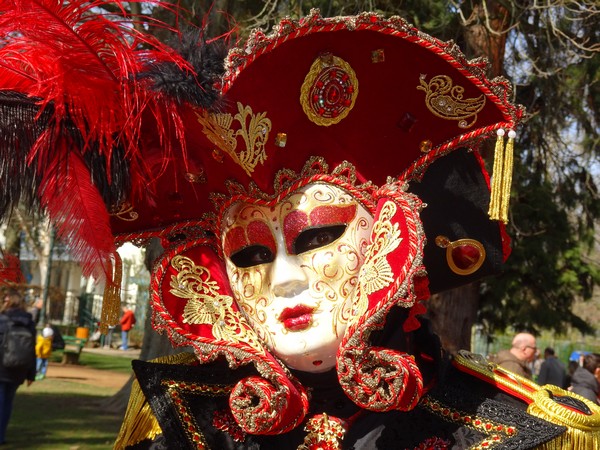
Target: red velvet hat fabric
{"type": "Point", "coordinates": [406, 98]}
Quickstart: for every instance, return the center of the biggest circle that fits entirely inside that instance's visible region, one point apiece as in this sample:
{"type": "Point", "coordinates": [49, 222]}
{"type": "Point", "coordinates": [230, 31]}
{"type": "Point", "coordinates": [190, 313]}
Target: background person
{"type": "Point", "coordinates": [552, 370]}
{"type": "Point", "coordinates": [584, 381]}
{"type": "Point", "coordinates": [515, 359]}
{"type": "Point", "coordinates": [127, 322]}
{"type": "Point", "coordinates": [11, 378]}
{"type": "Point", "coordinates": [43, 351]}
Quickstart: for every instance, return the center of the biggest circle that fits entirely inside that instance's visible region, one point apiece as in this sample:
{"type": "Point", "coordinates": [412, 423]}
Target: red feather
{"type": "Point", "coordinates": [81, 66]}
{"type": "Point", "coordinates": [84, 64]}
{"type": "Point", "coordinates": [77, 211]}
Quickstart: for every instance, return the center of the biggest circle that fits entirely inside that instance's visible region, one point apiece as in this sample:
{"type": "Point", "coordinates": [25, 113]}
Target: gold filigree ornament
{"type": "Point", "coordinates": [206, 306]}
{"type": "Point", "coordinates": [376, 273]}
{"type": "Point", "coordinates": [329, 90]}
{"type": "Point", "coordinates": [253, 128]}
{"type": "Point", "coordinates": [125, 212]}
{"type": "Point", "coordinates": [447, 101]}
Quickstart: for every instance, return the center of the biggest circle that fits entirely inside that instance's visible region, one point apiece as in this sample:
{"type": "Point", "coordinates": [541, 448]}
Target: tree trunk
{"type": "Point", "coordinates": [452, 314]}
{"type": "Point", "coordinates": [486, 32]}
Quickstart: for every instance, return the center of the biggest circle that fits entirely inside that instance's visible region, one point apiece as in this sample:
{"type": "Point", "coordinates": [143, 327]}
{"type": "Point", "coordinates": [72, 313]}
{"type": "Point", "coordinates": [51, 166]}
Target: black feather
{"type": "Point", "coordinates": [198, 89]}
{"type": "Point", "coordinates": [19, 131]}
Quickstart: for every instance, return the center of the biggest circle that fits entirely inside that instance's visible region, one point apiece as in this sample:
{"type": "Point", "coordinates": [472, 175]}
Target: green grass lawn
{"type": "Point", "coordinates": [117, 363]}
{"type": "Point", "coordinates": [54, 414]}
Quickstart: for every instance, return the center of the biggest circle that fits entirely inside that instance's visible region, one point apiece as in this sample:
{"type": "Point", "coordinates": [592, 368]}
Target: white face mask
{"type": "Point", "coordinates": [293, 267]}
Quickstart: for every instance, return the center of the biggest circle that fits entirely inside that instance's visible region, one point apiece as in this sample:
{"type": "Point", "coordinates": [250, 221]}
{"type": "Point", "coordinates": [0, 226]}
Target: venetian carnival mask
{"type": "Point", "coordinates": [293, 267]}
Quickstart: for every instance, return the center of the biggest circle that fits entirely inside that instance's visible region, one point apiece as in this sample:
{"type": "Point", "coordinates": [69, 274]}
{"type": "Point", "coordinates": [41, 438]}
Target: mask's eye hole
{"type": "Point", "coordinates": [313, 238]}
{"type": "Point", "coordinates": [253, 255]}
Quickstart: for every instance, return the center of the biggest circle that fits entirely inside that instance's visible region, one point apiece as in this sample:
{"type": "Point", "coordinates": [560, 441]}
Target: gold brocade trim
{"type": "Point", "coordinates": [139, 422]}
{"type": "Point", "coordinates": [446, 101]}
{"type": "Point", "coordinates": [329, 90]}
{"type": "Point", "coordinates": [376, 272]}
{"type": "Point", "coordinates": [253, 128]}
{"type": "Point", "coordinates": [496, 433]}
{"type": "Point", "coordinates": [323, 433]}
{"type": "Point", "coordinates": [207, 307]}
{"type": "Point", "coordinates": [175, 389]}
{"type": "Point", "coordinates": [583, 430]}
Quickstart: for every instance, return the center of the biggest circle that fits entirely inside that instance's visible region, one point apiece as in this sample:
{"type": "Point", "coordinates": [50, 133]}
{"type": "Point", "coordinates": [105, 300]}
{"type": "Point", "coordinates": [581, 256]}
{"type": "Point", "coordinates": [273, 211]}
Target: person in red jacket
{"type": "Point", "coordinates": [127, 322]}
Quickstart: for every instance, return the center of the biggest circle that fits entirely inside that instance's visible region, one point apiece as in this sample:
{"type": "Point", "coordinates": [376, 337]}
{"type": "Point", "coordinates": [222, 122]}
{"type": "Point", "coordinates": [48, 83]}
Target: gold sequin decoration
{"type": "Point", "coordinates": [376, 273]}
{"type": "Point", "coordinates": [378, 56]}
{"type": "Point", "coordinates": [447, 101]}
{"type": "Point", "coordinates": [253, 128]}
{"type": "Point", "coordinates": [281, 140]}
{"type": "Point", "coordinates": [323, 433]}
{"type": "Point", "coordinates": [206, 306]}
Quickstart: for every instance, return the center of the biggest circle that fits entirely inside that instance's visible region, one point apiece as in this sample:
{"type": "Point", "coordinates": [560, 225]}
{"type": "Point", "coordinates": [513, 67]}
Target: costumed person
{"type": "Point", "coordinates": [311, 189]}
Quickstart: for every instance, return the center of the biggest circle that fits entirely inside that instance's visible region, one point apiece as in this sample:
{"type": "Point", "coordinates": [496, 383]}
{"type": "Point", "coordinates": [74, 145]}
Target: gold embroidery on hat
{"type": "Point", "coordinates": [329, 90]}
{"type": "Point", "coordinates": [446, 101]}
{"type": "Point", "coordinates": [376, 273]}
{"type": "Point", "coordinates": [125, 212]}
{"type": "Point", "coordinates": [254, 129]}
{"type": "Point", "coordinates": [205, 306]}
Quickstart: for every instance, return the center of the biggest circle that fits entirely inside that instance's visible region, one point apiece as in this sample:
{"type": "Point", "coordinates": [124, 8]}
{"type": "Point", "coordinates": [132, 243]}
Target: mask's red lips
{"type": "Point", "coordinates": [297, 318]}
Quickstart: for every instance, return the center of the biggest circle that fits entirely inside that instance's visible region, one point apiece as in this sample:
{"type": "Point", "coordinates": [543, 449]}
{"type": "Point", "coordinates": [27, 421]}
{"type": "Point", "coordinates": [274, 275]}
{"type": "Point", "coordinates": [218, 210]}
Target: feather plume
{"type": "Point", "coordinates": [199, 87]}
{"type": "Point", "coordinates": [77, 211]}
{"type": "Point", "coordinates": [71, 114]}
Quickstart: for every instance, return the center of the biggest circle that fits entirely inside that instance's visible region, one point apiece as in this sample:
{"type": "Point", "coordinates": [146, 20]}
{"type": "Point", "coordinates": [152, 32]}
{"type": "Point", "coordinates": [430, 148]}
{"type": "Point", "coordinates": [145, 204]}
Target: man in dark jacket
{"type": "Point", "coordinates": [13, 311]}
{"type": "Point", "coordinates": [583, 381]}
{"type": "Point", "coordinates": [552, 370]}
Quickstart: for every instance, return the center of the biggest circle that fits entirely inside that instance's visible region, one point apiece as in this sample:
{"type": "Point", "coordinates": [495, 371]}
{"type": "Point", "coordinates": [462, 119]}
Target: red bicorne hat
{"type": "Point", "coordinates": [350, 101]}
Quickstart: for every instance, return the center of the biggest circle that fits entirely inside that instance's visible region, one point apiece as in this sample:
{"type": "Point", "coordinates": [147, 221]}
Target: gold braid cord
{"type": "Point", "coordinates": [583, 428]}
{"type": "Point", "coordinates": [139, 422]}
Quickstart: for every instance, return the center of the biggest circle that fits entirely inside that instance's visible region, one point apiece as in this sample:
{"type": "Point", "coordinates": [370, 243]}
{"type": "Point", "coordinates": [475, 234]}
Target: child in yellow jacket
{"type": "Point", "coordinates": [43, 350]}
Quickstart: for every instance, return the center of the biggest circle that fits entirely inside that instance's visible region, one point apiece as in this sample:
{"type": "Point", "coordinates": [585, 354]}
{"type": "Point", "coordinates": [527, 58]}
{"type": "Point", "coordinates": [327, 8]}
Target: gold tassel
{"type": "Point", "coordinates": [140, 422]}
{"type": "Point", "coordinates": [502, 176]}
{"type": "Point", "coordinates": [583, 431]}
{"type": "Point", "coordinates": [111, 303]}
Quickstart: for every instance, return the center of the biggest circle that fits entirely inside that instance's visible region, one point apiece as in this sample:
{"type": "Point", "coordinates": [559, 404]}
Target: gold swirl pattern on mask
{"type": "Point", "coordinates": [376, 273]}
{"type": "Point", "coordinates": [253, 128]}
{"type": "Point", "coordinates": [447, 101]}
{"type": "Point", "coordinates": [205, 306]}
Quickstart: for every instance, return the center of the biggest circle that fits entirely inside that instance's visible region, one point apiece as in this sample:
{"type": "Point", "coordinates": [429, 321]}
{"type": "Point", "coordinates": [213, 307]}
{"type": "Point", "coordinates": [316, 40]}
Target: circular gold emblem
{"type": "Point", "coordinates": [329, 90]}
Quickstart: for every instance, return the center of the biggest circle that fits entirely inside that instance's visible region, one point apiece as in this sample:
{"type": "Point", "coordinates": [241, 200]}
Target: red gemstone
{"type": "Point", "coordinates": [465, 256]}
{"type": "Point", "coordinates": [332, 93]}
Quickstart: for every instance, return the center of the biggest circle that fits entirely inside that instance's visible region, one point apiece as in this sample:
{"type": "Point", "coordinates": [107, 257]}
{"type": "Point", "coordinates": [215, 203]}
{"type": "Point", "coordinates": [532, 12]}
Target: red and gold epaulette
{"type": "Point", "coordinates": [580, 416]}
